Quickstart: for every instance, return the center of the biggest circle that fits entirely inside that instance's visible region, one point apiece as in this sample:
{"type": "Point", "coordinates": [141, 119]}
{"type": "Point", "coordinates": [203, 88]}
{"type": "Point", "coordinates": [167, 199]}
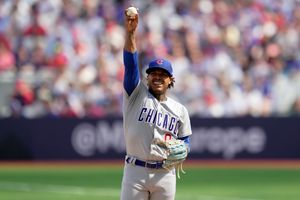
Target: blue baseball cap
{"type": "Point", "coordinates": [160, 63]}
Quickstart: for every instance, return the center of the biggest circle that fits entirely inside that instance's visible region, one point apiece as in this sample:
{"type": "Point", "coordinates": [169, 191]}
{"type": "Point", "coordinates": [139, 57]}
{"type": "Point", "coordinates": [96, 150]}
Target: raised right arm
{"type": "Point", "coordinates": [130, 55]}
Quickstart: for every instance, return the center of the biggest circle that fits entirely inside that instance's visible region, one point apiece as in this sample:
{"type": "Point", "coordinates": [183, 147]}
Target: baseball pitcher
{"type": "Point", "coordinates": [156, 127]}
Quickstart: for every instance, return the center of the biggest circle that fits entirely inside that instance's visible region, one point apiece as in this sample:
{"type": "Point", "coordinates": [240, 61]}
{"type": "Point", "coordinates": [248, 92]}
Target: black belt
{"type": "Point", "coordinates": [148, 164]}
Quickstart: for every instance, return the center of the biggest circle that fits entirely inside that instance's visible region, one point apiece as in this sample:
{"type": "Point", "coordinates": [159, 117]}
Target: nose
{"type": "Point", "coordinates": [156, 75]}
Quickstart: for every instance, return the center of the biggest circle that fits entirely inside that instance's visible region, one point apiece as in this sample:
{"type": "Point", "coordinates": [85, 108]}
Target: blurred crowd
{"type": "Point", "coordinates": [64, 58]}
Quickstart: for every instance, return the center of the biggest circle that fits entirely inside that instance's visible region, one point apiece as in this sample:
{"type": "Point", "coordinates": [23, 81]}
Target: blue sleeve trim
{"type": "Point", "coordinates": [186, 140]}
{"type": "Point", "coordinates": [131, 75]}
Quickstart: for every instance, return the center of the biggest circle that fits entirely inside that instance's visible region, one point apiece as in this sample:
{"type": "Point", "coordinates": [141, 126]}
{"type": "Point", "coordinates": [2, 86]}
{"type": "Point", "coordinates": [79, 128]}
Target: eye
{"type": "Point", "coordinates": [160, 74]}
{"type": "Point", "coordinates": [152, 73]}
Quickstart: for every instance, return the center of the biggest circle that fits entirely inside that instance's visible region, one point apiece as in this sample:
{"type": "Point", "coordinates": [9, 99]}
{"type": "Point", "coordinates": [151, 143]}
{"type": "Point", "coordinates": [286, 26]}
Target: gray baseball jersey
{"type": "Point", "coordinates": [146, 120]}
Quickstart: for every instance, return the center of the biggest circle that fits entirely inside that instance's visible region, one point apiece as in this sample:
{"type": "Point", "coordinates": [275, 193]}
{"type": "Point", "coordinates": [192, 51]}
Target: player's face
{"type": "Point", "coordinates": [158, 81]}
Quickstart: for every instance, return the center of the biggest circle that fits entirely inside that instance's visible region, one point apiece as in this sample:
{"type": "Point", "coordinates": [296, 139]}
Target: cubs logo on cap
{"type": "Point", "coordinates": [160, 63]}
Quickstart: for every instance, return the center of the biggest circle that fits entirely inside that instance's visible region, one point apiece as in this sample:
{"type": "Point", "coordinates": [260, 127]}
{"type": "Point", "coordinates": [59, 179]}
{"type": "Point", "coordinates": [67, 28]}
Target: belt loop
{"type": "Point", "coordinates": [133, 159]}
{"type": "Point", "coordinates": [146, 164]}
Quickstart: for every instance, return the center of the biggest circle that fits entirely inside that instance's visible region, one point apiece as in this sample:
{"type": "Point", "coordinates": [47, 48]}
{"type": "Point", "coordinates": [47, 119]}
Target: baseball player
{"type": "Point", "coordinates": [156, 127]}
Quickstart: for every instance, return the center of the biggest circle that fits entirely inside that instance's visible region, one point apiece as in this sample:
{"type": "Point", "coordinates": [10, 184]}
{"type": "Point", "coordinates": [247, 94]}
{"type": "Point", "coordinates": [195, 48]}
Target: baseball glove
{"type": "Point", "coordinates": [176, 154]}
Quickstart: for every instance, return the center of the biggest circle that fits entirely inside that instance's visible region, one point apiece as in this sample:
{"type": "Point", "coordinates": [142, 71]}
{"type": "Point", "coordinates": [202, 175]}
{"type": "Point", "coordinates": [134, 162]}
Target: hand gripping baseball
{"type": "Point", "coordinates": [132, 19]}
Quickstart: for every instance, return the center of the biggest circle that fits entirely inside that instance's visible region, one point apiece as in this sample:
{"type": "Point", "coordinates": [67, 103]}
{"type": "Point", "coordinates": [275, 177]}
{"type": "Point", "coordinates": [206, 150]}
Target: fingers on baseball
{"type": "Point", "coordinates": [131, 12]}
{"type": "Point", "coordinates": [132, 17]}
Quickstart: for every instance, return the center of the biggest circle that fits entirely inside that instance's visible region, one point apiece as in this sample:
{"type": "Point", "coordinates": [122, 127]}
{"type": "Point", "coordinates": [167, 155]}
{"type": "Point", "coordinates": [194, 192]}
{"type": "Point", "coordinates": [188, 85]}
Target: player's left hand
{"type": "Point", "coordinates": [176, 152]}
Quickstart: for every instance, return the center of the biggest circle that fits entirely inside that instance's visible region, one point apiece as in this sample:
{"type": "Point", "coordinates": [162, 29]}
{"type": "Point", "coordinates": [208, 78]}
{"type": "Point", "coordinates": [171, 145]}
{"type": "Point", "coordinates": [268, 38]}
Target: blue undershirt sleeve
{"type": "Point", "coordinates": [186, 140]}
{"type": "Point", "coordinates": [131, 74]}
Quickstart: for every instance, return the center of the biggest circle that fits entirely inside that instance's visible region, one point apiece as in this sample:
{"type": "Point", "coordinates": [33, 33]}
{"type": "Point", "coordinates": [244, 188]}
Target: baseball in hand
{"type": "Point", "coordinates": [131, 11]}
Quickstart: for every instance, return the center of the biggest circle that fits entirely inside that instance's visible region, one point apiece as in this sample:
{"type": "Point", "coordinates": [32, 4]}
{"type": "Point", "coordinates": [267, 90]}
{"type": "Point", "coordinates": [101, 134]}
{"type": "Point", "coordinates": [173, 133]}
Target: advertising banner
{"type": "Point", "coordinates": [75, 139]}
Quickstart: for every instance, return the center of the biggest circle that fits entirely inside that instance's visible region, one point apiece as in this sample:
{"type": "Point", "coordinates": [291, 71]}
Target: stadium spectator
{"type": "Point", "coordinates": [7, 59]}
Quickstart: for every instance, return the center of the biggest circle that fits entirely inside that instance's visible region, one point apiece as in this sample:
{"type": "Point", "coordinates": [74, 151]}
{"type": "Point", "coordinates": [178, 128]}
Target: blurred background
{"type": "Point", "coordinates": [236, 63]}
{"type": "Point", "coordinates": [237, 70]}
{"type": "Point", "coordinates": [63, 58]}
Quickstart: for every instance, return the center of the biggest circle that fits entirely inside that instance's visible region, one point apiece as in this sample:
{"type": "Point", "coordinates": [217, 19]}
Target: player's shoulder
{"type": "Point", "coordinates": [176, 104]}
{"type": "Point", "coordinates": [174, 101]}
